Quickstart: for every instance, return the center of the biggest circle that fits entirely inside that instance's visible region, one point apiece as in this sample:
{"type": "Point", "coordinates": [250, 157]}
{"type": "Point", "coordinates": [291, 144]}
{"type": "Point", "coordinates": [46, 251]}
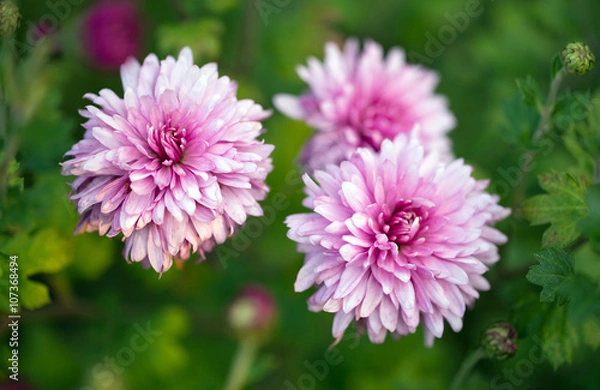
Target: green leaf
{"type": "Point", "coordinates": [43, 252]}
{"type": "Point", "coordinates": [567, 325]}
{"type": "Point", "coordinates": [556, 267]}
{"type": "Point", "coordinates": [590, 226]}
{"type": "Point", "coordinates": [590, 333]}
{"type": "Point", "coordinates": [559, 337]}
{"type": "Point", "coordinates": [33, 294]}
{"type": "Point", "coordinates": [562, 207]}
{"type": "Point", "coordinates": [14, 180]}
{"type": "Point", "coordinates": [573, 308]}
{"type": "Point", "coordinates": [556, 66]}
{"type": "Point", "coordinates": [530, 91]}
{"type": "Point", "coordinates": [585, 162]}
{"type": "Point", "coordinates": [521, 121]}
{"type": "Point", "coordinates": [570, 109]}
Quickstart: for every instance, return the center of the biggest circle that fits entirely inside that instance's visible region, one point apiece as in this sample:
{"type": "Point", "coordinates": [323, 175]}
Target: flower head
{"type": "Point", "coordinates": [500, 341]}
{"type": "Point", "coordinates": [112, 32]}
{"type": "Point", "coordinates": [10, 18]}
{"type": "Point", "coordinates": [359, 99]}
{"type": "Point", "coordinates": [578, 58]}
{"type": "Point", "coordinates": [174, 166]}
{"type": "Point", "coordinates": [253, 312]}
{"type": "Point", "coordinates": [395, 237]}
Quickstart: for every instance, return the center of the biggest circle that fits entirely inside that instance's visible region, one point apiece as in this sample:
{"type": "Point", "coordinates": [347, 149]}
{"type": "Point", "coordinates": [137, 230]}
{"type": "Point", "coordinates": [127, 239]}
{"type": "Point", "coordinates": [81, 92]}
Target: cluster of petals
{"type": "Point", "coordinates": [394, 238]}
{"type": "Point", "coordinates": [358, 99]}
{"type": "Point", "coordinates": [174, 166]}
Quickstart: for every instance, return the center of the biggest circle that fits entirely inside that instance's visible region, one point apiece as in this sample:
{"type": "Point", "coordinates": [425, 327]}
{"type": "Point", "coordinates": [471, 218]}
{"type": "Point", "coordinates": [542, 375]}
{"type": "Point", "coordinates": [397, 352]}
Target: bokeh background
{"type": "Point", "coordinates": [95, 299]}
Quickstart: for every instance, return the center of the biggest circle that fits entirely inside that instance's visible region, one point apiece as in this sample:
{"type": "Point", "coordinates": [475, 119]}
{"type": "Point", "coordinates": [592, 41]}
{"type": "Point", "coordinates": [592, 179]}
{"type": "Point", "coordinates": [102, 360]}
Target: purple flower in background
{"type": "Point", "coordinates": [112, 32]}
{"type": "Point", "coordinates": [395, 238]}
{"type": "Point", "coordinates": [174, 166]}
{"type": "Point", "coordinates": [359, 99]}
{"type": "Point", "coordinates": [253, 312]}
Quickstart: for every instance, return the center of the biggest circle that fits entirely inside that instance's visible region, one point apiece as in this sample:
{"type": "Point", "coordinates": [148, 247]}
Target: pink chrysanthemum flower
{"type": "Point", "coordinates": [359, 99]}
{"type": "Point", "coordinates": [174, 166]}
{"type": "Point", "coordinates": [394, 237]}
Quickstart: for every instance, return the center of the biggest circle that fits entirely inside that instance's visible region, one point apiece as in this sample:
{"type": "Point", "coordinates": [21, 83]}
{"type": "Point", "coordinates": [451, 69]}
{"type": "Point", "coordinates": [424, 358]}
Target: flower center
{"type": "Point", "coordinates": [380, 120]}
{"type": "Point", "coordinates": [402, 224]}
{"type": "Point", "coordinates": [167, 142]}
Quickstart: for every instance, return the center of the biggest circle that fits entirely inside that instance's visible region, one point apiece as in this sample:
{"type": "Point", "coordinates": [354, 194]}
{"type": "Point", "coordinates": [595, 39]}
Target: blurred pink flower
{"type": "Point", "coordinates": [359, 99]}
{"type": "Point", "coordinates": [175, 165]}
{"type": "Point", "coordinates": [112, 32]}
{"type": "Point", "coordinates": [253, 312]}
{"type": "Point", "coordinates": [395, 237]}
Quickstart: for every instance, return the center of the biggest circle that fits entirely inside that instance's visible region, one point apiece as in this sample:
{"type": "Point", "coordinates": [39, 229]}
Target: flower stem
{"type": "Point", "coordinates": [549, 106]}
{"type": "Point", "coordinates": [242, 362]}
{"type": "Point", "coordinates": [466, 368]}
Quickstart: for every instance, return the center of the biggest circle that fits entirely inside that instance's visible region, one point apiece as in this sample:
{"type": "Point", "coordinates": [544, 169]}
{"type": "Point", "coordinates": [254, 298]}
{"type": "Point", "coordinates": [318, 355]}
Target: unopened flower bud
{"type": "Point", "coordinates": [578, 58]}
{"type": "Point", "coordinates": [10, 18]}
{"type": "Point", "coordinates": [500, 341]}
{"type": "Point", "coordinates": [253, 312]}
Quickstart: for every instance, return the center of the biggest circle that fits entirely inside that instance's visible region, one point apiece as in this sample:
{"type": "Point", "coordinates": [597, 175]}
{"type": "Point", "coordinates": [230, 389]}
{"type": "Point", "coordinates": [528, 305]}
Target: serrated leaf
{"type": "Point", "coordinates": [573, 309]}
{"type": "Point", "coordinates": [556, 268]}
{"type": "Point", "coordinates": [590, 226]}
{"type": "Point", "coordinates": [582, 120]}
{"type": "Point", "coordinates": [562, 207]}
{"type": "Point", "coordinates": [42, 252]}
{"type": "Point", "coordinates": [559, 337]}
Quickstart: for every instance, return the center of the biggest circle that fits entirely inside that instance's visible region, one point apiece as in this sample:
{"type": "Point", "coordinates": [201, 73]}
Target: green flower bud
{"type": "Point", "coordinates": [10, 18]}
{"type": "Point", "coordinates": [253, 313]}
{"type": "Point", "coordinates": [578, 58]}
{"type": "Point", "coordinates": [500, 341]}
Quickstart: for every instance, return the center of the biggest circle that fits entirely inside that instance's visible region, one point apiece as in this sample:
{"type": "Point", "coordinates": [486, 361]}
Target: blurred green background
{"type": "Point", "coordinates": [97, 298]}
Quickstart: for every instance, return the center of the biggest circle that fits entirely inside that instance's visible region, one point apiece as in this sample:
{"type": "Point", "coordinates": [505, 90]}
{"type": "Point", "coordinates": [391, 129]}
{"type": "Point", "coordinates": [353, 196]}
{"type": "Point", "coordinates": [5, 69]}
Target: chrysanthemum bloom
{"type": "Point", "coordinates": [394, 237]}
{"type": "Point", "coordinates": [359, 99]}
{"type": "Point", "coordinates": [112, 32]}
{"type": "Point", "coordinates": [174, 166]}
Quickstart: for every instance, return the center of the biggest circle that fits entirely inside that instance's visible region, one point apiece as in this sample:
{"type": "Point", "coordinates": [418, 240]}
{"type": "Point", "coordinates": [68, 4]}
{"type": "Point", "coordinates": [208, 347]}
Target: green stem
{"type": "Point", "coordinates": [542, 128]}
{"type": "Point", "coordinates": [466, 368]}
{"type": "Point", "coordinates": [242, 362]}
{"type": "Point", "coordinates": [549, 106]}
